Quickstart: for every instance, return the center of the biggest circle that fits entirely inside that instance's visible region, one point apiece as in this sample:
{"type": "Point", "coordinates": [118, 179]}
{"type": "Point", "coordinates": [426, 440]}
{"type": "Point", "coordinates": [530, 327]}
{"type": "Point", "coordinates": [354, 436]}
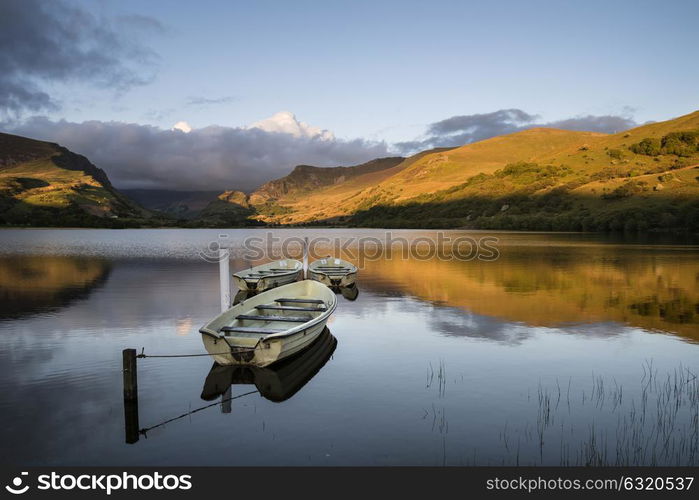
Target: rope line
{"type": "Point", "coordinates": [144, 355]}
{"type": "Point", "coordinates": [179, 355]}
{"type": "Point", "coordinates": [146, 429]}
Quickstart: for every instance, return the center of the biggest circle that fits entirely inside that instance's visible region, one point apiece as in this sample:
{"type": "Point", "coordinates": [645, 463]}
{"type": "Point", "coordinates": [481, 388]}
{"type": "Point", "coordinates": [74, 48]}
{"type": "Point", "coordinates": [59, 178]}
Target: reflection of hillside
{"type": "Point", "coordinates": [656, 290]}
{"type": "Point", "coordinates": [32, 284]}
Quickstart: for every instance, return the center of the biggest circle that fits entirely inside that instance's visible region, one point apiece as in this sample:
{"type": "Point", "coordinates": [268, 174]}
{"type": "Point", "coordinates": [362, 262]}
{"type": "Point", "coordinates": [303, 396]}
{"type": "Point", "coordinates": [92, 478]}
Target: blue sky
{"type": "Point", "coordinates": [384, 69]}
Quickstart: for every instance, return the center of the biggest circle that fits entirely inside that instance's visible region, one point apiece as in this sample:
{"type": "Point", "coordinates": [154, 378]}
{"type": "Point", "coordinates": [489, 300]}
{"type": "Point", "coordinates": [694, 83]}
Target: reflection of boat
{"type": "Point", "coordinates": [277, 383]}
{"type": "Point", "coordinates": [350, 292]}
{"type": "Point", "coordinates": [270, 275]}
{"type": "Point", "coordinates": [333, 272]}
{"type": "Point", "coordinates": [271, 325]}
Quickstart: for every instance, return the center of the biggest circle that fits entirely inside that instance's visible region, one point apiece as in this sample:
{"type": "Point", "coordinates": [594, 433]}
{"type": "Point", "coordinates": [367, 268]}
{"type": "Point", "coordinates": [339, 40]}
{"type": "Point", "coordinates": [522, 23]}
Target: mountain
{"type": "Point", "coordinates": [44, 184]}
{"type": "Point", "coordinates": [645, 178]}
{"type": "Point", "coordinates": [306, 178]}
{"type": "Point", "coordinates": [177, 204]}
{"type": "Point", "coordinates": [294, 198]}
{"type": "Point", "coordinates": [230, 208]}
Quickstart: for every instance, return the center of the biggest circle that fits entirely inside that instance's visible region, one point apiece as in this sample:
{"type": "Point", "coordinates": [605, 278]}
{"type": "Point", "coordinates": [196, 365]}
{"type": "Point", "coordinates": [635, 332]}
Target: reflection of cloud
{"type": "Point", "coordinates": [183, 326]}
{"type": "Point", "coordinates": [459, 323]}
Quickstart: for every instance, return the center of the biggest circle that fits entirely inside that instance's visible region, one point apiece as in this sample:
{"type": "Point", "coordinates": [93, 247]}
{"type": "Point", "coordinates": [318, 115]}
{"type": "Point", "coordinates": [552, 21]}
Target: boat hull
{"type": "Point", "coordinates": [262, 284]}
{"type": "Point", "coordinates": [345, 280]}
{"type": "Point", "coordinates": [266, 352]}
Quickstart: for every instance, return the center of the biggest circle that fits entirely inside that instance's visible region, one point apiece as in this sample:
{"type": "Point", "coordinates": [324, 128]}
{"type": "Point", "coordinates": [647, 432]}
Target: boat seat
{"type": "Point", "coordinates": [282, 269]}
{"type": "Point", "coordinates": [271, 307]}
{"type": "Point", "coordinates": [249, 329]}
{"type": "Point", "coordinates": [290, 319]}
{"type": "Point", "coordinates": [300, 301]}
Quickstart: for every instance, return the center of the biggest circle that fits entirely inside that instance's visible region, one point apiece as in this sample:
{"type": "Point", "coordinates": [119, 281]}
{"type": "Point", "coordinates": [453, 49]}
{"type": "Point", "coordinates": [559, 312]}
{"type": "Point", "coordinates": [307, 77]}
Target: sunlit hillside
{"type": "Point", "coordinates": [43, 183]}
{"type": "Point", "coordinates": [535, 179]}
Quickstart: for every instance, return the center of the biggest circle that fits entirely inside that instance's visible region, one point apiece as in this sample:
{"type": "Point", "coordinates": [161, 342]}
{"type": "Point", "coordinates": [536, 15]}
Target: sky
{"type": "Point", "coordinates": [257, 87]}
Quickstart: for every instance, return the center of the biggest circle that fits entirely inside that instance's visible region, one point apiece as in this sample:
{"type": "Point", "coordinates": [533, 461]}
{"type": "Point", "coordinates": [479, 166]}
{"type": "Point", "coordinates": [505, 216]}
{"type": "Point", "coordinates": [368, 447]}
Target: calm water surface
{"type": "Point", "coordinates": [568, 349]}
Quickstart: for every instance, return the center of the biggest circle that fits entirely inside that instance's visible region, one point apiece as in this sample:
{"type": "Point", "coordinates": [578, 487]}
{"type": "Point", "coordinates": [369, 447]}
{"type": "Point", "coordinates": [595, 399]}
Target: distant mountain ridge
{"type": "Point", "coordinates": [177, 204]}
{"type": "Point", "coordinates": [646, 178]}
{"type": "Point", "coordinates": [306, 177]}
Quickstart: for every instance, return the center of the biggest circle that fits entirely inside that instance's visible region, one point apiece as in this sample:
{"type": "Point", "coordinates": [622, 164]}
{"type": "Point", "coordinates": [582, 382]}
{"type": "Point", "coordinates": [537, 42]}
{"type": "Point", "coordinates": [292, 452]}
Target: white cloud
{"type": "Point", "coordinates": [285, 122]}
{"type": "Point", "coordinates": [182, 126]}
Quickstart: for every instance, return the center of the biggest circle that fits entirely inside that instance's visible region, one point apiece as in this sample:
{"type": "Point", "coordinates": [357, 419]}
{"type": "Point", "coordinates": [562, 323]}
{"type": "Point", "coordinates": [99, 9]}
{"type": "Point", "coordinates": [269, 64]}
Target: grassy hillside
{"type": "Point", "coordinates": [333, 201]}
{"type": "Point", "coordinates": [44, 184]}
{"type": "Point", "coordinates": [642, 179]}
{"type": "Point", "coordinates": [305, 178]}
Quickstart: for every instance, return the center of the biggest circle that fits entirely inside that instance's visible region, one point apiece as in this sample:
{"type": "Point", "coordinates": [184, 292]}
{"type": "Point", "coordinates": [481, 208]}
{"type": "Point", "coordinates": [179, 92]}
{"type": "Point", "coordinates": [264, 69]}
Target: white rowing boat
{"type": "Point", "coordinates": [270, 275]}
{"type": "Point", "coordinates": [333, 272]}
{"type": "Point", "coordinates": [270, 326]}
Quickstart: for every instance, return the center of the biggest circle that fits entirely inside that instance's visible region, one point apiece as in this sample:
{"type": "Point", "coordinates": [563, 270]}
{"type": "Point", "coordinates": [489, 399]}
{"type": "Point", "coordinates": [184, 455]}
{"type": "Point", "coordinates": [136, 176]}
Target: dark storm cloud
{"type": "Point", "coordinates": [607, 123]}
{"type": "Point", "coordinates": [210, 158]}
{"type": "Point", "coordinates": [50, 41]}
{"type": "Point", "coordinates": [482, 125]}
{"type": "Point", "coordinates": [464, 129]}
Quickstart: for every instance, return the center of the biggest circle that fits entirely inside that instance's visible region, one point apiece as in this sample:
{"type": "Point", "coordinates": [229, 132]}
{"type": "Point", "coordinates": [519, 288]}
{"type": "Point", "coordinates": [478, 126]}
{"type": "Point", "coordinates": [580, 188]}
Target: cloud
{"type": "Point", "coordinates": [182, 126]}
{"type": "Point", "coordinates": [285, 122]}
{"type": "Point", "coordinates": [44, 43]}
{"type": "Point", "coordinates": [210, 158]}
{"type": "Point", "coordinates": [208, 101]}
{"type": "Point", "coordinates": [464, 129]}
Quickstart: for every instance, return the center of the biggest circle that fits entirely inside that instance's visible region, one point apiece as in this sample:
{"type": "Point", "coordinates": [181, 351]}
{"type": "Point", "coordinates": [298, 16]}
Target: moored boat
{"type": "Point", "coordinates": [333, 272]}
{"type": "Point", "coordinates": [269, 275]}
{"type": "Point", "coordinates": [270, 326]}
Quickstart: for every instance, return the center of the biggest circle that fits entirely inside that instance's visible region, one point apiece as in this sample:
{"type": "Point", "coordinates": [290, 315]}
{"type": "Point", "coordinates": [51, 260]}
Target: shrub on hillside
{"type": "Point", "coordinates": [627, 189]}
{"type": "Point", "coordinates": [684, 143]}
{"type": "Point", "coordinates": [648, 147]}
{"type": "Point", "coordinates": [615, 154]}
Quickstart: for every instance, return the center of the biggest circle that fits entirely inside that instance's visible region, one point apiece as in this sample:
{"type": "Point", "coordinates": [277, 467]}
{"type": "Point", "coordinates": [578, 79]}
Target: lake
{"type": "Point", "coordinates": [561, 349]}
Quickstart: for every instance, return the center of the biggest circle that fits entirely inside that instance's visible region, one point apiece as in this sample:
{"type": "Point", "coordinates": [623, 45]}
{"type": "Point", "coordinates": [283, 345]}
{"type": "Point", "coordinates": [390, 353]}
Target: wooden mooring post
{"type": "Point", "coordinates": [130, 395]}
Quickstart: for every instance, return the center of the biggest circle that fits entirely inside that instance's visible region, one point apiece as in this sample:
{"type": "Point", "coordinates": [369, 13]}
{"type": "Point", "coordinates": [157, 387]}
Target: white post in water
{"type": "Point", "coordinates": [305, 257]}
{"type": "Point", "coordinates": [224, 277]}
